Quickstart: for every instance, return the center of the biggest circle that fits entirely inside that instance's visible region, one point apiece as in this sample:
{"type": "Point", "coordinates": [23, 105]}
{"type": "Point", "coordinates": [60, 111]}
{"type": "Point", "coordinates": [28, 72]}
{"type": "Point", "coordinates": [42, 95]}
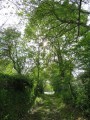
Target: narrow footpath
{"type": "Point", "coordinates": [50, 107]}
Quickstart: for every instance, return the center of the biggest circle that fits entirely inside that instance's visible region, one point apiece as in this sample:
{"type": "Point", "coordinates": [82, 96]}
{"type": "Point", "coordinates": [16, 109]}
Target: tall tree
{"type": "Point", "coordinates": [11, 50]}
{"type": "Point", "coordinates": [61, 23]}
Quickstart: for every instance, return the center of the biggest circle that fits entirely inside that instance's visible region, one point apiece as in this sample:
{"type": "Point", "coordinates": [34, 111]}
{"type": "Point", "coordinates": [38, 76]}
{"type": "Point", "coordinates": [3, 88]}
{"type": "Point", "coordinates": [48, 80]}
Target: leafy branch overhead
{"type": "Point", "coordinates": [50, 12]}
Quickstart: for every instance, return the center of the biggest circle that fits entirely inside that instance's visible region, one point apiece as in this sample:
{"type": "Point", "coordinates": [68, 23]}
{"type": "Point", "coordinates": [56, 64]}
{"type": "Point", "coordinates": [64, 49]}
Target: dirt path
{"type": "Point", "coordinates": [52, 108]}
{"type": "Point", "coordinates": [45, 109]}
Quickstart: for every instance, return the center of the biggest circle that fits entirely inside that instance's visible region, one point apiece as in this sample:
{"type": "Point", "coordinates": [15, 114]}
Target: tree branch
{"type": "Point", "coordinates": [71, 21]}
{"type": "Point", "coordinates": [79, 17]}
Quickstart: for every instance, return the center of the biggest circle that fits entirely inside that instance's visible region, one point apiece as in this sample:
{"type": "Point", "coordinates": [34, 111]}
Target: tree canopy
{"type": "Point", "coordinates": [51, 53]}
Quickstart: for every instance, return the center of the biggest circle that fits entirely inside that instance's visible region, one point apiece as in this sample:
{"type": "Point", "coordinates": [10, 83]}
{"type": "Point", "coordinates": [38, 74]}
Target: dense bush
{"type": "Point", "coordinates": [16, 97]}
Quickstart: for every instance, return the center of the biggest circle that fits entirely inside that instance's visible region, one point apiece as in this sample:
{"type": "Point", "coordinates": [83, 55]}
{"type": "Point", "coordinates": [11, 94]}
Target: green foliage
{"type": "Point", "coordinates": [10, 34]}
{"type": "Point", "coordinates": [12, 49]}
{"type": "Point", "coordinates": [83, 95]}
{"type": "Point", "coordinates": [39, 89]}
{"type": "Point", "coordinates": [83, 53]}
{"type": "Point", "coordinates": [16, 96]}
{"type": "Point", "coordinates": [48, 87]}
{"type": "Point", "coordinates": [63, 26]}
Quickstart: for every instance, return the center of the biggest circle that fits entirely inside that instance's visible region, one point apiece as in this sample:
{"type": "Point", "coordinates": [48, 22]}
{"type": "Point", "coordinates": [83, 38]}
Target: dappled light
{"type": "Point", "coordinates": [44, 60]}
